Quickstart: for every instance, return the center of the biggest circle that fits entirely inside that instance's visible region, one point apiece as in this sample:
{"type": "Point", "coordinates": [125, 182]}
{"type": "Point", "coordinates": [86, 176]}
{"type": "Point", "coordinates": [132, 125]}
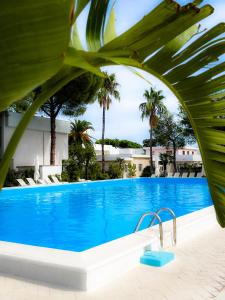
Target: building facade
{"type": "Point", "coordinates": [140, 157]}
{"type": "Point", "coordinates": [35, 142]}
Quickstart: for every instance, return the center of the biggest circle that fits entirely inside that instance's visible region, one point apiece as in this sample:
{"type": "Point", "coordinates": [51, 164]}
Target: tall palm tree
{"type": "Point", "coordinates": [152, 109]}
{"type": "Point", "coordinates": [79, 134]}
{"type": "Point", "coordinates": [107, 92]}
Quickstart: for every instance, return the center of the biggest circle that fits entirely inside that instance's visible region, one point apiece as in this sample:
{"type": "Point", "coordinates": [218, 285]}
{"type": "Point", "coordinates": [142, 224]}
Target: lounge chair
{"type": "Point", "coordinates": [192, 175]}
{"type": "Point", "coordinates": [170, 174]}
{"type": "Point", "coordinates": [31, 181]}
{"type": "Point", "coordinates": [47, 180]}
{"type": "Point", "coordinates": [153, 176]}
{"type": "Point", "coordinates": [55, 179]}
{"type": "Point", "coordinates": [176, 175]}
{"type": "Point", "coordinates": [21, 182]}
{"type": "Point", "coordinates": [184, 175]}
{"type": "Point", "coordinates": [41, 181]}
{"type": "Point", "coordinates": [199, 175]}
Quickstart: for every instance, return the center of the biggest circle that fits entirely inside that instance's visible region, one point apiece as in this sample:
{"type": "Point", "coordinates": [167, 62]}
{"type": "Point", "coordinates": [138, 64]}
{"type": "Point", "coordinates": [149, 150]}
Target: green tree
{"type": "Point", "coordinates": [79, 134]}
{"type": "Point", "coordinates": [165, 158]}
{"type": "Point", "coordinates": [71, 100]}
{"type": "Point", "coordinates": [169, 134]}
{"type": "Point", "coordinates": [81, 158]}
{"type": "Point", "coordinates": [120, 143]}
{"type": "Point", "coordinates": [152, 110]}
{"type": "Point", "coordinates": [186, 125]}
{"type": "Point", "coordinates": [146, 143]}
{"type": "Point", "coordinates": [107, 92]}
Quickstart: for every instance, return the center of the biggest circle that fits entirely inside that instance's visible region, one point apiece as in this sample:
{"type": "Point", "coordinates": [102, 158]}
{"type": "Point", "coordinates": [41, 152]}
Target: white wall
{"type": "Point", "coordinates": [36, 141]}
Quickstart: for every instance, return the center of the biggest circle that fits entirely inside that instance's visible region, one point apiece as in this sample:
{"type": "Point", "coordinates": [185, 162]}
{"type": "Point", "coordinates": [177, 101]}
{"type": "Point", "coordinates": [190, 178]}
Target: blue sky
{"type": "Point", "coordinates": [123, 119]}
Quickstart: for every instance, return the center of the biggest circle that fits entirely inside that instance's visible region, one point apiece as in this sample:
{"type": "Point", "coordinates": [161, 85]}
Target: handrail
{"type": "Point", "coordinates": [154, 218]}
{"type": "Point", "coordinates": [174, 221]}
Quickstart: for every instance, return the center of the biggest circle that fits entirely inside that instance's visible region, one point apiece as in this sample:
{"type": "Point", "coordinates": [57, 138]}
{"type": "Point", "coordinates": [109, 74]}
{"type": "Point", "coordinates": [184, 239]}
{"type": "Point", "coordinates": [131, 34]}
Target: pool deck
{"type": "Point", "coordinates": [197, 273]}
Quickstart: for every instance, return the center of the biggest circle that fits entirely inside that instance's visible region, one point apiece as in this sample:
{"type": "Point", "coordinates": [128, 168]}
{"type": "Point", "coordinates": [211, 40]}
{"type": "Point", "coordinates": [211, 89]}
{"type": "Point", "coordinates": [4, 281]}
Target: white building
{"type": "Point", "coordinates": [35, 142]}
{"type": "Point", "coordinates": [140, 157]}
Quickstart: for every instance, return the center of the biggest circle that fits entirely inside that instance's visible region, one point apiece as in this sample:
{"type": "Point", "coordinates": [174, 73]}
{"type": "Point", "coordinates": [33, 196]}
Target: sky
{"type": "Point", "coordinates": [123, 118]}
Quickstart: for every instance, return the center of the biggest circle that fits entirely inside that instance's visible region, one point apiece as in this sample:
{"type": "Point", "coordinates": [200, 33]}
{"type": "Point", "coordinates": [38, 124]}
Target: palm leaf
{"type": "Point", "coordinates": [33, 38]}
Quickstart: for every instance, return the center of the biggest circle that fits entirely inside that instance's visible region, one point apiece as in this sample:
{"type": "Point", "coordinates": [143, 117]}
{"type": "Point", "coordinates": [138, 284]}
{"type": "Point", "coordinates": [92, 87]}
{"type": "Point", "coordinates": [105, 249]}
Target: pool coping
{"type": "Point", "coordinates": [97, 266]}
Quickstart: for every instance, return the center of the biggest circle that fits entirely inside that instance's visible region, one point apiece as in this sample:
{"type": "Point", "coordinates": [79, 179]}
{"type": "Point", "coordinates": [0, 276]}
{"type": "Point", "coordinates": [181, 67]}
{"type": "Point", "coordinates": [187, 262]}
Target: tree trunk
{"type": "Point", "coordinates": [103, 138]}
{"type": "Point", "coordinates": [150, 151]}
{"type": "Point", "coordinates": [53, 140]}
{"type": "Point", "coordinates": [174, 157]}
{"type": "Point", "coordinates": [86, 169]}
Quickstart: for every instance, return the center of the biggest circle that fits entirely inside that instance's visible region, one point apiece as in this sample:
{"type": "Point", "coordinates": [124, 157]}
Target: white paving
{"type": "Point", "coordinates": [198, 273]}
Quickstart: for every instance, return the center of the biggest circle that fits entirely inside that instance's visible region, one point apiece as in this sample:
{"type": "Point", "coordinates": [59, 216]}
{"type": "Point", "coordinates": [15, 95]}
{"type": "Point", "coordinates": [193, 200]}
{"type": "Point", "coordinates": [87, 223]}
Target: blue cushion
{"type": "Point", "coordinates": [156, 258]}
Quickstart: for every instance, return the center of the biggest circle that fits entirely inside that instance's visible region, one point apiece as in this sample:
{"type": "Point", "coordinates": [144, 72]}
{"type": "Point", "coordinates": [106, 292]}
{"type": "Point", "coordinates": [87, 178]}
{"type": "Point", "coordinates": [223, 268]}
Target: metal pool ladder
{"type": "Point", "coordinates": [156, 216]}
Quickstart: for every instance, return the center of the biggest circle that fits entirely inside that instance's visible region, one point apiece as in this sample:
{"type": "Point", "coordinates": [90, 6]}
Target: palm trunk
{"type": "Point", "coordinates": [103, 138]}
{"type": "Point", "coordinates": [53, 139]}
{"type": "Point", "coordinates": [174, 157]}
{"type": "Point", "coordinates": [150, 152]}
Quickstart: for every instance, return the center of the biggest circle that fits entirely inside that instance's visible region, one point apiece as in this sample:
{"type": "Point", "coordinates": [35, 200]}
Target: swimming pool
{"type": "Point", "coordinates": [81, 216]}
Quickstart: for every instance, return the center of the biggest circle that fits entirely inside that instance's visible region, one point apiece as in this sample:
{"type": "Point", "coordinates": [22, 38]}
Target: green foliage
{"type": "Point", "coordinates": [184, 122]}
{"type": "Point", "coordinates": [131, 168]}
{"type": "Point", "coordinates": [116, 169]}
{"type": "Point", "coordinates": [165, 158]}
{"type": "Point", "coordinates": [78, 134]}
{"type": "Point", "coordinates": [168, 133]}
{"type": "Point", "coordinates": [108, 91]}
{"type": "Point", "coordinates": [120, 143]}
{"type": "Point", "coordinates": [12, 175]}
{"type": "Point", "coordinates": [147, 172]}
{"type": "Point", "coordinates": [146, 143]}
{"type": "Point", "coordinates": [153, 108]}
{"type": "Point", "coordinates": [25, 61]}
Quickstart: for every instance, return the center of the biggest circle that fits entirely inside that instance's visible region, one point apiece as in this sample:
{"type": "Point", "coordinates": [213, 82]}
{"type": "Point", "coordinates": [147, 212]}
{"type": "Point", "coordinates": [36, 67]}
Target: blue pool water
{"type": "Point", "coordinates": [80, 216]}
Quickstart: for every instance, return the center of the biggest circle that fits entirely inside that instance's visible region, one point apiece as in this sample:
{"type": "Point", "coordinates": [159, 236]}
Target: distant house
{"type": "Point", "coordinates": [140, 157]}
{"type": "Point", "coordinates": [35, 142]}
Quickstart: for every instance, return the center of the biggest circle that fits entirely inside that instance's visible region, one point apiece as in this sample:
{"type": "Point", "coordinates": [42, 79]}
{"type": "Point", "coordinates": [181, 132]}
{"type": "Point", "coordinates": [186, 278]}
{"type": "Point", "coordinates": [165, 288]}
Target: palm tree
{"type": "Point", "coordinates": [152, 109]}
{"type": "Point", "coordinates": [78, 133]}
{"type": "Point", "coordinates": [105, 95]}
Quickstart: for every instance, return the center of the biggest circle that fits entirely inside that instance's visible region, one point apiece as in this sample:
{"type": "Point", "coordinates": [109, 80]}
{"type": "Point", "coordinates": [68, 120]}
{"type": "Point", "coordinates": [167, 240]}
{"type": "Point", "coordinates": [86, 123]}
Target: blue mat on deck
{"type": "Point", "coordinates": [156, 258]}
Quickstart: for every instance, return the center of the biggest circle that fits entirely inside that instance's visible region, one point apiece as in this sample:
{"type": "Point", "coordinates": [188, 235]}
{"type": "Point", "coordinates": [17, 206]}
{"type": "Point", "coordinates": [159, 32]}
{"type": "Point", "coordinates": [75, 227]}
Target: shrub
{"type": "Point", "coordinates": [146, 172]}
{"type": "Point", "coordinates": [115, 170]}
{"type": "Point", "coordinates": [13, 175]}
{"type": "Point", "coordinates": [131, 168]}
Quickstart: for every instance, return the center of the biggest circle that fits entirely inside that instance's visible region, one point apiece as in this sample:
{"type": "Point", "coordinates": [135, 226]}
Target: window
{"type": "Point", "coordinates": [193, 153]}
{"type": "Point", "coordinates": [183, 152]}
{"type": "Point", "coordinates": [140, 167]}
{"type": "Point", "coordinates": [187, 152]}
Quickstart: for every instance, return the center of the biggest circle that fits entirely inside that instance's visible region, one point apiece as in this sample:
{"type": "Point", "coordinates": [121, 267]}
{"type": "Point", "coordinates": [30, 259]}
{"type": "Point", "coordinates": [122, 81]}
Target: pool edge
{"type": "Point", "coordinates": [94, 267]}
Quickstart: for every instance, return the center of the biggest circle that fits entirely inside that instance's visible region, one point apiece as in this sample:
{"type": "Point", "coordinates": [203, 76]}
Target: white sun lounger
{"type": "Point", "coordinates": [176, 175]}
{"type": "Point", "coordinates": [199, 175]}
{"type": "Point", "coordinates": [31, 181]}
{"type": "Point", "coordinates": [184, 175]}
{"type": "Point", "coordinates": [170, 174]}
{"type": "Point", "coordinates": [192, 175]}
{"type": "Point", "coordinates": [47, 180]}
{"type": "Point", "coordinates": [41, 181]}
{"type": "Point", "coordinates": [153, 176]}
{"type": "Point", "coordinates": [55, 179]}
{"type": "Point", "coordinates": [21, 182]}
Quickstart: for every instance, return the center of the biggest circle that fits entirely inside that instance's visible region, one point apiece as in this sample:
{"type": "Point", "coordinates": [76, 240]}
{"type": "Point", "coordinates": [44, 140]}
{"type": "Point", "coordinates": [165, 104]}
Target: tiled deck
{"type": "Point", "coordinates": [197, 273]}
